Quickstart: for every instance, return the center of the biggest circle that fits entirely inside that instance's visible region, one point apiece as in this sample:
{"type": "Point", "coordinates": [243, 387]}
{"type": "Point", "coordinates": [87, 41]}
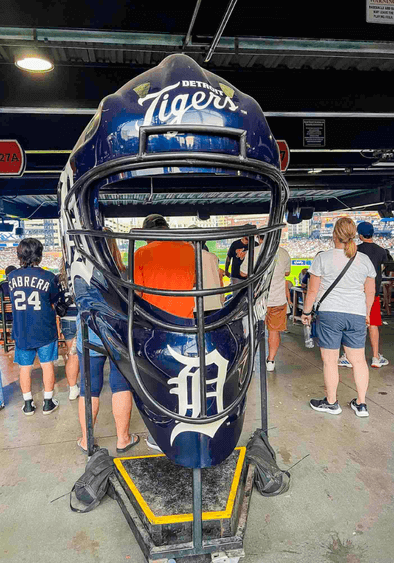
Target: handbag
{"type": "Point", "coordinates": [316, 308]}
{"type": "Point", "coordinates": [62, 305]}
{"type": "Point", "coordinates": [64, 300]}
{"type": "Point", "coordinates": [269, 479]}
{"type": "Point", "coordinates": [94, 483]}
{"type": "Point", "coordinates": [61, 308]}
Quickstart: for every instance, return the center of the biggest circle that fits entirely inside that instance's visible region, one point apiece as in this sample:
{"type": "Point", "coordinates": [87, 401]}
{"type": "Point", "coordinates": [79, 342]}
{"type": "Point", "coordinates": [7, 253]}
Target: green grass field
{"type": "Point", "coordinates": [221, 253]}
{"type": "Point", "coordinates": [294, 273]}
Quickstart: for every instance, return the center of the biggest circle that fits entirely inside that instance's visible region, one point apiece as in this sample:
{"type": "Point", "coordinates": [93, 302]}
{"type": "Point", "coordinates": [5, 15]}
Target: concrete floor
{"type": "Point", "coordinates": [339, 508]}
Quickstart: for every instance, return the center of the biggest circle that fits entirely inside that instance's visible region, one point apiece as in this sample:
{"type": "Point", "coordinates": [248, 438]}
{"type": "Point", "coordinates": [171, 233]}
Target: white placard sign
{"type": "Point", "coordinates": [380, 11]}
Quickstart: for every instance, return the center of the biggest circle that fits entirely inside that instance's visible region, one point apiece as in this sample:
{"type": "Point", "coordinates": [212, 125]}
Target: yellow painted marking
{"type": "Point", "coordinates": [235, 483]}
{"type": "Point", "coordinates": [176, 518]}
{"type": "Point", "coordinates": [147, 511]}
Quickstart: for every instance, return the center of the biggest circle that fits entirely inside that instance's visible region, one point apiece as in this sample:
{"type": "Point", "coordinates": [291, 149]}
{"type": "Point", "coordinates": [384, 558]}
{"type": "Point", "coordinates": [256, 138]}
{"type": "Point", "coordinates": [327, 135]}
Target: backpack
{"type": "Point", "coordinates": [94, 483]}
{"type": "Point", "coordinates": [64, 299]}
{"type": "Point", "coordinates": [268, 478]}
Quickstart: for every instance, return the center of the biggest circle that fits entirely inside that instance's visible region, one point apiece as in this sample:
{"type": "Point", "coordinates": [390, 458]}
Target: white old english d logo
{"type": "Point", "coordinates": [188, 391]}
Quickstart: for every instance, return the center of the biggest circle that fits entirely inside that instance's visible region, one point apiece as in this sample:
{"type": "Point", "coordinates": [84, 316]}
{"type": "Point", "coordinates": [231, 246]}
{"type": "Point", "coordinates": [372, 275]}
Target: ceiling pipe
{"type": "Point", "coordinates": [189, 32]}
{"type": "Point", "coordinates": [220, 30]}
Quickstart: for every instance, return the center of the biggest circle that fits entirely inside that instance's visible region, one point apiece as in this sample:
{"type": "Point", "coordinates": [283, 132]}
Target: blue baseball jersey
{"type": "Point", "coordinates": [33, 291]}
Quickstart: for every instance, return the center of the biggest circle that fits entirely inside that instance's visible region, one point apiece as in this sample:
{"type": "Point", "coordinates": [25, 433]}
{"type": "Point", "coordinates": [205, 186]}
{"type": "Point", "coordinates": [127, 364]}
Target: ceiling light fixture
{"type": "Point", "coordinates": [36, 64]}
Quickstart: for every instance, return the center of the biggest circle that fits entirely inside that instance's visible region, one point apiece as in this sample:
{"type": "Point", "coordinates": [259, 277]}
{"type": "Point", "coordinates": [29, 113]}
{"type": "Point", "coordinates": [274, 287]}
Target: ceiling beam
{"type": "Point", "coordinates": [142, 210]}
{"type": "Point", "coordinates": [81, 39]}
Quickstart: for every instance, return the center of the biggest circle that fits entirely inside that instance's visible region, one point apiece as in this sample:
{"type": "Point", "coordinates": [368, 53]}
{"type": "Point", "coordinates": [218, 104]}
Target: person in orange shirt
{"type": "Point", "coordinates": [166, 265]}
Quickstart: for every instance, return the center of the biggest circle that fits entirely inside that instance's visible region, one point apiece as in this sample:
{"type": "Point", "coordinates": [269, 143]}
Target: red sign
{"type": "Point", "coordinates": [12, 158]}
{"type": "Point", "coordinates": [284, 152]}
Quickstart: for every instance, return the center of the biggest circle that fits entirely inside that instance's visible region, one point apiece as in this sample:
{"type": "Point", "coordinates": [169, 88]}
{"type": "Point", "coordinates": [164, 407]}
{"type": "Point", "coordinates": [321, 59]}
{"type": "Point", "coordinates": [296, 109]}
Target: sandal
{"type": "Point", "coordinates": [81, 448]}
{"type": "Point", "coordinates": [134, 441]}
{"type": "Point", "coordinates": [95, 447]}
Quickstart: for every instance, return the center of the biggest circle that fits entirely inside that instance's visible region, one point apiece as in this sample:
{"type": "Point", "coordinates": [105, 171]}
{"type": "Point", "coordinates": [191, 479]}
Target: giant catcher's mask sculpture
{"type": "Point", "coordinates": [189, 376]}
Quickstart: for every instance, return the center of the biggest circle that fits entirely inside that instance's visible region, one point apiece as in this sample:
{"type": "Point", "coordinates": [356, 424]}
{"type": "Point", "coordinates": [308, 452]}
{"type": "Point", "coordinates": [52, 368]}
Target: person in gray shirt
{"type": "Point", "coordinates": [378, 257]}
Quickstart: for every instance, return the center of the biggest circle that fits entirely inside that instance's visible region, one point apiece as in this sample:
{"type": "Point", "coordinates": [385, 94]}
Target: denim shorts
{"type": "Point", "coordinates": [117, 381]}
{"type": "Point", "coordinates": [69, 328]}
{"type": "Point", "coordinates": [334, 329]}
{"type": "Point", "coordinates": [46, 354]}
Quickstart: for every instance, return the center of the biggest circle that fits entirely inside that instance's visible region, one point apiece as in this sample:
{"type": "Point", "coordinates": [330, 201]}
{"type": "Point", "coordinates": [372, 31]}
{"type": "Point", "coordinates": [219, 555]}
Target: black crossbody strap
{"type": "Point", "coordinates": [335, 282]}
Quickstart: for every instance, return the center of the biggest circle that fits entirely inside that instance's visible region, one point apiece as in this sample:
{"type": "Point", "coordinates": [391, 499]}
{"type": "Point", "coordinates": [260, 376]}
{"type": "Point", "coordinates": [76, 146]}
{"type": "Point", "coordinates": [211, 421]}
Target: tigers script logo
{"type": "Point", "coordinates": [172, 111]}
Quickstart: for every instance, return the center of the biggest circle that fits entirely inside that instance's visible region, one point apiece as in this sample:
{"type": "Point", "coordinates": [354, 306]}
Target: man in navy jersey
{"type": "Point", "coordinates": [33, 291]}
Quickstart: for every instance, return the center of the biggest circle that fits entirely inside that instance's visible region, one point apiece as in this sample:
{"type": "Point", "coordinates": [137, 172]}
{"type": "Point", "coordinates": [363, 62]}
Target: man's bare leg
{"type": "Point", "coordinates": [273, 344]}
{"type": "Point", "coordinates": [25, 378]}
{"type": "Point", "coordinates": [374, 338]}
{"type": "Point", "coordinates": [48, 376]}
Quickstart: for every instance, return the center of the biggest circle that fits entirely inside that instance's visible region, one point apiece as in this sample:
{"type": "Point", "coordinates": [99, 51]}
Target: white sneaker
{"type": "Point", "coordinates": [270, 365]}
{"type": "Point", "coordinates": [74, 393]}
{"type": "Point", "coordinates": [360, 409]}
{"type": "Point", "coordinates": [150, 442]}
{"type": "Point", "coordinates": [379, 362]}
{"type": "Point", "coordinates": [343, 362]}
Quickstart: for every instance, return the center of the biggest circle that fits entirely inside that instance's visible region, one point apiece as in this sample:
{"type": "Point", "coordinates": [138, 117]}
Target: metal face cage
{"type": "Point", "coordinates": [89, 242]}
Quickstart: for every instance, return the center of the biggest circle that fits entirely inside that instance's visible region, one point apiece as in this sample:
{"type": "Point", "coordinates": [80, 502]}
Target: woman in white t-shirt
{"type": "Point", "coordinates": [343, 315]}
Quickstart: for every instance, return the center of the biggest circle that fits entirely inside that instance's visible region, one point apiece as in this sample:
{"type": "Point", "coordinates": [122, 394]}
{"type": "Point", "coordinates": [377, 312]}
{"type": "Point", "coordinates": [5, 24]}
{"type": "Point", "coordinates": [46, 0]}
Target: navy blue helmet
{"type": "Point", "coordinates": [181, 122]}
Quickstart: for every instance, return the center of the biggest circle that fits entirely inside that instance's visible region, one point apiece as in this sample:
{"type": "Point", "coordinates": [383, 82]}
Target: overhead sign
{"type": "Point", "coordinates": [314, 132]}
{"type": "Point", "coordinates": [284, 152]}
{"type": "Point", "coordinates": [12, 158]}
{"type": "Point", "coordinates": [301, 262]}
{"type": "Point", "coordinates": [380, 11]}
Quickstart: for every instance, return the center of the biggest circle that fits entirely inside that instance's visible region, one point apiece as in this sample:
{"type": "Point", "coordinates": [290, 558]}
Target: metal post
{"type": "Point", "coordinates": [88, 390]}
{"type": "Point", "coordinates": [220, 30]}
{"type": "Point", "coordinates": [197, 508]}
{"type": "Point", "coordinates": [197, 483]}
{"type": "Point", "coordinates": [263, 380]}
{"type": "Point", "coordinates": [201, 328]}
{"type": "Point", "coordinates": [130, 295]}
{"type": "Point", "coordinates": [189, 31]}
